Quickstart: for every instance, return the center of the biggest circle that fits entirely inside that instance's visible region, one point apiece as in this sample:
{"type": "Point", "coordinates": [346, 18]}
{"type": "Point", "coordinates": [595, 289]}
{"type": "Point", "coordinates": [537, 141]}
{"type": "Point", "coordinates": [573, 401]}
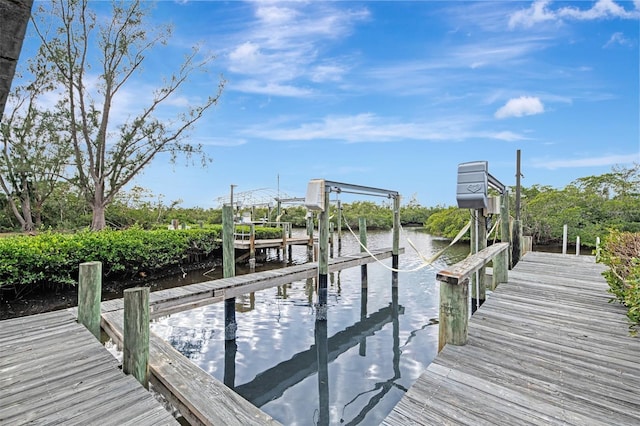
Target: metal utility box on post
{"type": "Point", "coordinates": [471, 192]}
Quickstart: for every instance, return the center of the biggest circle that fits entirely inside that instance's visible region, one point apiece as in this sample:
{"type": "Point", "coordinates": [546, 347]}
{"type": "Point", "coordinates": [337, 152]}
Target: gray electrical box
{"type": "Point", "coordinates": [472, 186]}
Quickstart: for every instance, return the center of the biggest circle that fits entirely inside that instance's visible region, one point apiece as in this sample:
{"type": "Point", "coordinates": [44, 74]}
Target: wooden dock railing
{"type": "Point", "coordinates": [454, 291]}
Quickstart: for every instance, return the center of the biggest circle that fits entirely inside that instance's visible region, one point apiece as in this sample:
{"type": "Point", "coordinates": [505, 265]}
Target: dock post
{"type": "Point", "coordinates": [135, 352]}
{"type": "Point", "coordinates": [396, 240]}
{"type": "Point", "coordinates": [564, 238]}
{"type": "Point", "coordinates": [454, 314]}
{"type": "Point", "coordinates": [310, 235]}
{"type": "Point", "coordinates": [252, 248]}
{"type": "Point", "coordinates": [500, 269]}
{"type": "Point", "coordinates": [516, 247]}
{"type": "Point", "coordinates": [578, 245]}
{"type": "Point", "coordinates": [290, 251]}
{"type": "Point", "coordinates": [598, 249]}
{"type": "Point", "coordinates": [331, 239]}
{"type": "Point", "coordinates": [339, 228]}
{"type": "Point", "coordinates": [89, 292]}
{"type": "Point", "coordinates": [323, 259]}
{"type": "Point", "coordinates": [229, 270]}
{"type": "Point", "coordinates": [478, 242]}
{"type": "Point", "coordinates": [505, 235]}
{"type": "Point", "coordinates": [362, 227]}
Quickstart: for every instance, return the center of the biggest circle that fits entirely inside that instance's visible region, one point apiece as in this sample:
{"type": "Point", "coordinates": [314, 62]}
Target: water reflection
{"type": "Point", "coordinates": [351, 369]}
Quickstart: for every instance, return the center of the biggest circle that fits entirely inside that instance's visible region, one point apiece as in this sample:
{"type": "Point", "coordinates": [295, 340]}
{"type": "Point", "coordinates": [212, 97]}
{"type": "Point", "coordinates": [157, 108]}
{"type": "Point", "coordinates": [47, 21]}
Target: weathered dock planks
{"type": "Point", "coordinates": [54, 371]}
{"type": "Point", "coordinates": [545, 349]}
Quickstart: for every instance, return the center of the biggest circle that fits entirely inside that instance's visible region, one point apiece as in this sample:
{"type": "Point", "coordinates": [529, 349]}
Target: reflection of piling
{"type": "Point", "coordinates": [362, 350]}
{"type": "Point", "coordinates": [230, 350]}
{"type": "Point", "coordinates": [229, 270]}
{"type": "Point", "coordinates": [323, 372]}
{"type": "Point", "coordinates": [362, 225]}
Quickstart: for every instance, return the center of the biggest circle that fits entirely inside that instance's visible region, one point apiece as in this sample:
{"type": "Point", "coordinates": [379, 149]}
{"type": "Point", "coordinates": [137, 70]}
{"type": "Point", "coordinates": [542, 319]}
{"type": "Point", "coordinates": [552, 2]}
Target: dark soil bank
{"type": "Point", "coordinates": [14, 304]}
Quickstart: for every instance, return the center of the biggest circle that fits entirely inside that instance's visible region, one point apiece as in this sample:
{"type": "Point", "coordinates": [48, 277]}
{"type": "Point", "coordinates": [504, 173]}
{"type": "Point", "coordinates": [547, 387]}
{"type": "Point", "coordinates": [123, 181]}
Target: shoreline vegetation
{"type": "Point", "coordinates": [138, 243]}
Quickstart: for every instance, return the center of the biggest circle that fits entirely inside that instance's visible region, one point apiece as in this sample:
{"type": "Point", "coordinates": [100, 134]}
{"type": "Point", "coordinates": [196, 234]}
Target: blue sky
{"type": "Point", "coordinates": [396, 94]}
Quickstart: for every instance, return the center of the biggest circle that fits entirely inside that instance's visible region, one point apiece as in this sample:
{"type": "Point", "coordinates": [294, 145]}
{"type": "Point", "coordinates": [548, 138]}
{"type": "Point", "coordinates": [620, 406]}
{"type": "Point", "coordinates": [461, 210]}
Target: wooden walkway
{"type": "Point", "coordinates": [545, 349]}
{"type": "Point", "coordinates": [54, 371]}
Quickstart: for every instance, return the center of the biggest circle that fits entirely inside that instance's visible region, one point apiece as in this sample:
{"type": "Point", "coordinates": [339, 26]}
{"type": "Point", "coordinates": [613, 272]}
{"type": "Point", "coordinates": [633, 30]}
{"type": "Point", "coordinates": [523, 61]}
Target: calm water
{"type": "Point", "coordinates": [351, 369]}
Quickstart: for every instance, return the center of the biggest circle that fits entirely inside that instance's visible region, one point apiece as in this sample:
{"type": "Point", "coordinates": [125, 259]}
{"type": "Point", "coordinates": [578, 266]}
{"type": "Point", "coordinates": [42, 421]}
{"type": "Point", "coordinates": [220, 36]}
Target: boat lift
{"type": "Point", "coordinates": [317, 199]}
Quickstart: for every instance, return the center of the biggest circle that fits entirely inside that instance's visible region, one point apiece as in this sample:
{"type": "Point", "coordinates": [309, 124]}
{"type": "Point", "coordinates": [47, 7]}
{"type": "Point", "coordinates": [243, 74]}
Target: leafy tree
{"type": "Point", "coordinates": [447, 222]}
{"type": "Point", "coordinates": [34, 155]}
{"type": "Point", "coordinates": [109, 155]}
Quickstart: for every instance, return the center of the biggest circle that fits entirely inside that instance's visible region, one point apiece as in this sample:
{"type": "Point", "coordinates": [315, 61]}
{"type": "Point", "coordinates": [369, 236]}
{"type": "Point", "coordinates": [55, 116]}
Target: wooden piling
{"type": "Point", "coordinates": [362, 227]}
{"type": "Point", "coordinates": [310, 235]}
{"type": "Point", "coordinates": [478, 243]}
{"type": "Point", "coordinates": [323, 259]}
{"type": "Point", "coordinates": [331, 230]}
{"type": "Point", "coordinates": [89, 292]}
{"type": "Point", "coordinates": [252, 247]}
{"type": "Point", "coordinates": [229, 270]}
{"type": "Point", "coordinates": [505, 234]}
{"type": "Point", "coordinates": [454, 293]}
{"type": "Point", "coordinates": [454, 314]}
{"type": "Point", "coordinates": [135, 358]}
{"type": "Point", "coordinates": [564, 238]}
{"type": "Point", "coordinates": [500, 269]}
{"type": "Point", "coordinates": [578, 245]}
{"type": "Point", "coordinates": [339, 227]}
{"type": "Point", "coordinates": [396, 240]}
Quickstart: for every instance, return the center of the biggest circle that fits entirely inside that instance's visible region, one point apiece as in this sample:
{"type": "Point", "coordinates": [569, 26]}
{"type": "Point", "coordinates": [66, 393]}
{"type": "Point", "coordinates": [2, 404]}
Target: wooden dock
{"type": "Point", "coordinates": [54, 371]}
{"type": "Point", "coordinates": [272, 243]}
{"type": "Point", "coordinates": [546, 348]}
{"type": "Point", "coordinates": [201, 398]}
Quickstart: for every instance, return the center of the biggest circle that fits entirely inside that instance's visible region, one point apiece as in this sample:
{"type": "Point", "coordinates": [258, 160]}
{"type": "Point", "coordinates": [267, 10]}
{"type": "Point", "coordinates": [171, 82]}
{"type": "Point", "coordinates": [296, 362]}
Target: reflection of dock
{"type": "Point", "coordinates": [304, 364]}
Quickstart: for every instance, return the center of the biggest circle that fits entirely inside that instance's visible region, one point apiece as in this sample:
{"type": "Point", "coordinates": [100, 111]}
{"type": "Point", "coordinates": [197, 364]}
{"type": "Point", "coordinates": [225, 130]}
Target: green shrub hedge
{"type": "Point", "coordinates": [52, 259]}
{"type": "Point", "coordinates": [621, 252]}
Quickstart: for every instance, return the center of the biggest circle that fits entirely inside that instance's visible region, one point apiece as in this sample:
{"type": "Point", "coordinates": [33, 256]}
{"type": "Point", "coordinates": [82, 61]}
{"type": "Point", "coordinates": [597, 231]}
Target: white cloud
{"type": "Point", "coordinates": [607, 160]}
{"type": "Point", "coordinates": [507, 136]}
{"type": "Point", "coordinates": [535, 14]}
{"type": "Point", "coordinates": [368, 127]}
{"type": "Point", "coordinates": [518, 107]}
{"type": "Point", "coordinates": [540, 11]}
{"type": "Point", "coordinates": [602, 9]}
{"type": "Point", "coordinates": [282, 47]}
{"type": "Point", "coordinates": [617, 38]}
{"type": "Point", "coordinates": [270, 88]}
